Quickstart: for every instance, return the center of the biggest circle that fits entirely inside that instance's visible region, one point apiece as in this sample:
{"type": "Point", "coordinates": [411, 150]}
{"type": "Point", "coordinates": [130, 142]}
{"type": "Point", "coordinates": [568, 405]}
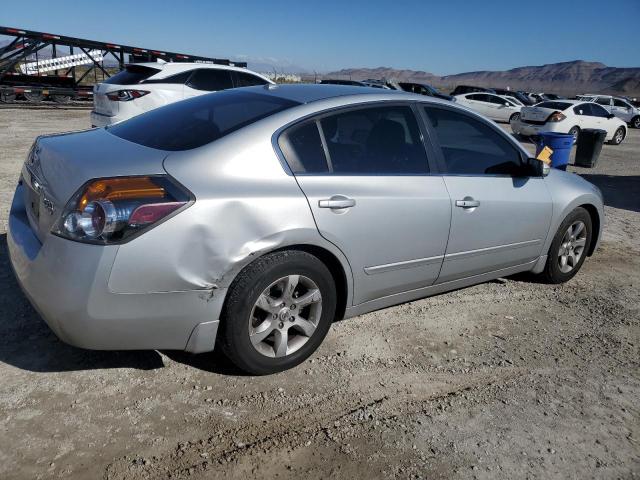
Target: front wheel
{"type": "Point", "coordinates": [278, 311]}
{"type": "Point", "coordinates": [618, 137]}
{"type": "Point", "coordinates": [514, 117]}
{"type": "Point", "coordinates": [569, 247]}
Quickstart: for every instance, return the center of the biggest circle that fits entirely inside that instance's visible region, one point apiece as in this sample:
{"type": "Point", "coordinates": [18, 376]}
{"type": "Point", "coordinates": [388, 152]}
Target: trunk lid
{"type": "Point", "coordinates": [59, 165]}
{"type": "Point", "coordinates": [535, 114]}
{"type": "Point", "coordinates": [123, 80]}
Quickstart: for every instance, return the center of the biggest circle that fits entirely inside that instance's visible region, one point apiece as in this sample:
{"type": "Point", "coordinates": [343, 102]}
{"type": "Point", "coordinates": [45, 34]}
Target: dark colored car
{"type": "Point", "coordinates": [515, 94]}
{"type": "Point", "coordinates": [329, 81]}
{"type": "Point", "coordinates": [462, 89]}
{"type": "Point", "coordinates": [424, 89]}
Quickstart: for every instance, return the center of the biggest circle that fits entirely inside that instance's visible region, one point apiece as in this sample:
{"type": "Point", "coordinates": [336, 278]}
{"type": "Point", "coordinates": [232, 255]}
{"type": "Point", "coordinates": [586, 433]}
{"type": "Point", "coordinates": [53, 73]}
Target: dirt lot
{"type": "Point", "coordinates": [510, 379]}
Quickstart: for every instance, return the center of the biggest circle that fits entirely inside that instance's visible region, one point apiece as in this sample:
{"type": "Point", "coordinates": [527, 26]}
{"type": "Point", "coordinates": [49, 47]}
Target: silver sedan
{"type": "Point", "coordinates": [256, 217]}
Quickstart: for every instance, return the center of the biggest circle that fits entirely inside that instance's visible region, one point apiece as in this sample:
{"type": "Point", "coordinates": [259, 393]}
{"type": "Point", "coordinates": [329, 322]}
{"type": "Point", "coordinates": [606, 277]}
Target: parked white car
{"type": "Point", "coordinates": [620, 107]}
{"type": "Point", "coordinates": [569, 116]}
{"type": "Point", "coordinates": [495, 107]}
{"type": "Point", "coordinates": [141, 87]}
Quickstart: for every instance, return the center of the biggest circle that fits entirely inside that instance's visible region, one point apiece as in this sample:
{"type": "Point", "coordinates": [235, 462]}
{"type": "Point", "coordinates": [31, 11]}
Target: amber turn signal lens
{"type": "Point", "coordinates": [121, 189]}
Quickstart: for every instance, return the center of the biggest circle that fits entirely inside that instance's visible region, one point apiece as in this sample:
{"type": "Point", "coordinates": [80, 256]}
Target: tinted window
{"type": "Point", "coordinates": [178, 78]}
{"type": "Point", "coordinates": [247, 80]}
{"type": "Point", "coordinates": [211, 80]}
{"type": "Point", "coordinates": [603, 101]}
{"type": "Point", "coordinates": [620, 103]}
{"type": "Point", "coordinates": [200, 120]}
{"type": "Point", "coordinates": [477, 97]}
{"type": "Point", "coordinates": [583, 109]}
{"type": "Point", "coordinates": [377, 140]}
{"type": "Point", "coordinates": [554, 105]}
{"type": "Point", "coordinates": [472, 147]}
{"type": "Point", "coordinates": [302, 147]}
{"type": "Point", "coordinates": [598, 111]}
{"type": "Point", "coordinates": [132, 75]}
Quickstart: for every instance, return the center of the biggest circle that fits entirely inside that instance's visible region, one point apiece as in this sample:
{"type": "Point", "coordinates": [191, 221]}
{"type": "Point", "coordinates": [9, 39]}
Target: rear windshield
{"type": "Point", "coordinates": [554, 105]}
{"type": "Point", "coordinates": [200, 120]}
{"type": "Point", "coordinates": [132, 75]}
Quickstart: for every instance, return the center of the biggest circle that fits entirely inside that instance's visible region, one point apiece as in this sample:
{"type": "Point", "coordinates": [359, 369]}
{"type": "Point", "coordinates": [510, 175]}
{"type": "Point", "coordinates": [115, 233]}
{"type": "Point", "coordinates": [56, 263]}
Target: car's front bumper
{"type": "Point", "coordinates": [67, 283]}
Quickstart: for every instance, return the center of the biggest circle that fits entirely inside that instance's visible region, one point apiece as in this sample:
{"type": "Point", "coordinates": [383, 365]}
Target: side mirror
{"type": "Point", "coordinates": [537, 167]}
{"type": "Point", "coordinates": [610, 116]}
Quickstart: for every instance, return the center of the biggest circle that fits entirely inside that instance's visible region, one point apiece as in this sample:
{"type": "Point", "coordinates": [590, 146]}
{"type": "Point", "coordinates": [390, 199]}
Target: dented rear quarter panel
{"type": "Point", "coordinates": [245, 205]}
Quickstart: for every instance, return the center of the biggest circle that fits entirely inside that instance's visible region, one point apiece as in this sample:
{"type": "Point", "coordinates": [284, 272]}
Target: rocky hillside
{"type": "Point", "coordinates": [565, 78]}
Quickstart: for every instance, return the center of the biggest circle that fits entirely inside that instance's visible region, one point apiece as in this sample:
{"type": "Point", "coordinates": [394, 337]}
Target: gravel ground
{"type": "Point", "coordinates": [509, 379]}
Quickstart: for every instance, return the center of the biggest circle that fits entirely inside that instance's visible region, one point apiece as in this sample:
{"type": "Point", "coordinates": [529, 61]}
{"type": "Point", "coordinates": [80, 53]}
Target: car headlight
{"type": "Point", "coordinates": [114, 210]}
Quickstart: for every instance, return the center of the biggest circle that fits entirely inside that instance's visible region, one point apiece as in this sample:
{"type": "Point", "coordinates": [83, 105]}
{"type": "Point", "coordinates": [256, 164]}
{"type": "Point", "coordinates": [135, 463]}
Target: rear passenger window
{"type": "Point", "coordinates": [247, 80]}
{"type": "Point", "coordinates": [377, 140]}
{"type": "Point", "coordinates": [210, 80]}
{"type": "Point", "coordinates": [302, 147]}
{"type": "Point", "coordinates": [472, 147]}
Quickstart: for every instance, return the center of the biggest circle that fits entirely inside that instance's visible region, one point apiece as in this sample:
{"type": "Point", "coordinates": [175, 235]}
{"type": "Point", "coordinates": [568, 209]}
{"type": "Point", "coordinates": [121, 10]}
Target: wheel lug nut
{"type": "Point", "coordinates": [293, 307]}
{"type": "Point", "coordinates": [292, 319]}
{"type": "Point", "coordinates": [280, 325]}
{"type": "Point", "coordinates": [274, 316]}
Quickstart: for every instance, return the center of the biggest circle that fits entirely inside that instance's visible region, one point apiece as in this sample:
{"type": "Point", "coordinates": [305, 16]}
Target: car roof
{"type": "Point", "coordinates": [313, 92]}
{"type": "Point", "coordinates": [181, 66]}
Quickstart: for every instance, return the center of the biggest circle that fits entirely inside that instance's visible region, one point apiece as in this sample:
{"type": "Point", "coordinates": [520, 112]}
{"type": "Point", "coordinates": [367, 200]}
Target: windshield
{"type": "Point", "coordinates": [554, 105]}
{"type": "Point", "coordinates": [200, 120]}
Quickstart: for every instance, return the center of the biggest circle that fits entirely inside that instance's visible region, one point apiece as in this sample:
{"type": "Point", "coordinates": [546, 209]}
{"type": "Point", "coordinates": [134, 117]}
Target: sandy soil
{"type": "Point", "coordinates": [509, 379]}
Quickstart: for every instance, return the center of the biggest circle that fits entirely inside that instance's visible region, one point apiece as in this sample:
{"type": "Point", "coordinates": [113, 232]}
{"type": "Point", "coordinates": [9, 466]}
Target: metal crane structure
{"type": "Point", "coordinates": [38, 65]}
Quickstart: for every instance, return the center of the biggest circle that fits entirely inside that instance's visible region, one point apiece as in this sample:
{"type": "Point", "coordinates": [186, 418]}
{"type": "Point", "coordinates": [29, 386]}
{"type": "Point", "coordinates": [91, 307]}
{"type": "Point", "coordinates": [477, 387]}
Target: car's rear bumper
{"type": "Point", "coordinates": [67, 283]}
{"type": "Point", "coordinates": [101, 120]}
{"type": "Point", "coordinates": [521, 128]}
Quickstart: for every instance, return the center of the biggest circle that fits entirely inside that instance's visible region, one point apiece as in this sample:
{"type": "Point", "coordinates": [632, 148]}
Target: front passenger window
{"type": "Point", "coordinates": [472, 147]}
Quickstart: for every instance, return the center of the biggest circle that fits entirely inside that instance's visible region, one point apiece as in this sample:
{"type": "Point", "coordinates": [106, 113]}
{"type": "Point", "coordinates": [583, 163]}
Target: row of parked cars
{"type": "Point", "coordinates": [145, 86]}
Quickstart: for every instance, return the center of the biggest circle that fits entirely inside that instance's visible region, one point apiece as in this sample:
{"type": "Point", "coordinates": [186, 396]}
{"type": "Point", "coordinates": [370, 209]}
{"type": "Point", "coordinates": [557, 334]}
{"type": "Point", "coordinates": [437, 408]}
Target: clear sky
{"type": "Point", "coordinates": [442, 37]}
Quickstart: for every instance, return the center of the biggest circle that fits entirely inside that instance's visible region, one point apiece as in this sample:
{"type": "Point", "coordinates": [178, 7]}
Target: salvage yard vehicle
{"type": "Point", "coordinates": [255, 217]}
{"type": "Point", "coordinates": [521, 96]}
{"type": "Point", "coordinates": [620, 107]}
{"type": "Point", "coordinates": [424, 89]}
{"type": "Point", "coordinates": [569, 116]}
{"type": "Point", "coordinates": [141, 87]}
{"type": "Point", "coordinates": [462, 89]}
{"type": "Point", "coordinates": [495, 107]}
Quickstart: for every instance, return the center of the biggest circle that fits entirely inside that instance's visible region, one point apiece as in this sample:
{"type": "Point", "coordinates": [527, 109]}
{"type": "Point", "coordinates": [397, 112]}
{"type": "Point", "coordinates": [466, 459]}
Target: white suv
{"type": "Point", "coordinates": [141, 87]}
{"type": "Point", "coordinates": [620, 107]}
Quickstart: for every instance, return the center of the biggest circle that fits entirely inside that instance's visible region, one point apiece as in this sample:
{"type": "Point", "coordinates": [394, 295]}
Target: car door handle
{"type": "Point", "coordinates": [467, 203]}
{"type": "Point", "coordinates": [337, 202]}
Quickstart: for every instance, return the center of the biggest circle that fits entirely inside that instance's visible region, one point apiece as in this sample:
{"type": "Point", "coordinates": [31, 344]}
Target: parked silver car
{"type": "Point", "coordinates": [257, 216]}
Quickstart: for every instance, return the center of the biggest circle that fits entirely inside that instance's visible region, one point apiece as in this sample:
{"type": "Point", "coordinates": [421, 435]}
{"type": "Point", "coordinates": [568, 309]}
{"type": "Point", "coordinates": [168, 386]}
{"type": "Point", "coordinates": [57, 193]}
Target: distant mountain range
{"type": "Point", "coordinates": [566, 78]}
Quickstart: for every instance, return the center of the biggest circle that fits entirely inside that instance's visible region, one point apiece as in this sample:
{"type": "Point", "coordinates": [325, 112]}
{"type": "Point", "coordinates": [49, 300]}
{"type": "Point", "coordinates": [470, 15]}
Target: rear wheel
{"type": "Point", "coordinates": [7, 96]}
{"type": "Point", "coordinates": [575, 131]}
{"type": "Point", "coordinates": [34, 97]}
{"type": "Point", "coordinates": [514, 117]}
{"type": "Point", "coordinates": [61, 99]}
{"type": "Point", "coordinates": [635, 122]}
{"type": "Point", "coordinates": [618, 137]}
{"type": "Point", "coordinates": [569, 247]}
{"type": "Point", "coordinates": [278, 311]}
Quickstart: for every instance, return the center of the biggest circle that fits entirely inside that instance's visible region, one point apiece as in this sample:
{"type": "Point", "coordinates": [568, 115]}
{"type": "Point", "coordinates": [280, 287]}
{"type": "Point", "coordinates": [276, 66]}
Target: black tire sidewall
{"type": "Point", "coordinates": [252, 281]}
{"type": "Point", "coordinates": [635, 122]}
{"type": "Point", "coordinates": [552, 269]}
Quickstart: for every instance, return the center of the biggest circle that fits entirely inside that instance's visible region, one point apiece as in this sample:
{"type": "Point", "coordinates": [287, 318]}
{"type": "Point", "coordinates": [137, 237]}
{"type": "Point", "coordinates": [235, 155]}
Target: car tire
{"type": "Point", "coordinates": [618, 136]}
{"type": "Point", "coordinates": [572, 241]}
{"type": "Point", "coordinates": [575, 131]}
{"type": "Point", "coordinates": [515, 116]}
{"type": "Point", "coordinates": [257, 303]}
{"type": "Point", "coordinates": [635, 122]}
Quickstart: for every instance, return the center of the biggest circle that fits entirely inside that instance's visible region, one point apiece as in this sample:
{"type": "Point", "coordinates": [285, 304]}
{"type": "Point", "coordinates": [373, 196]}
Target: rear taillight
{"type": "Point", "coordinates": [556, 117]}
{"type": "Point", "coordinates": [126, 95]}
{"type": "Point", "coordinates": [112, 210]}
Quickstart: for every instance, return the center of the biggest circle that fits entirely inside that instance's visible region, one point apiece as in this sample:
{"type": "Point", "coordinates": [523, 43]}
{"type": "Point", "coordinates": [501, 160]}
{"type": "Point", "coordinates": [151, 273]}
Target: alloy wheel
{"type": "Point", "coordinates": [619, 136]}
{"type": "Point", "coordinates": [572, 246]}
{"type": "Point", "coordinates": [285, 316]}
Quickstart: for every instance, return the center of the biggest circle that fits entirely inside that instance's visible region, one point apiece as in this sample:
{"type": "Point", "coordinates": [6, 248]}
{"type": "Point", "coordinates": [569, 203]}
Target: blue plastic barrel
{"type": "Point", "coordinates": [560, 143]}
